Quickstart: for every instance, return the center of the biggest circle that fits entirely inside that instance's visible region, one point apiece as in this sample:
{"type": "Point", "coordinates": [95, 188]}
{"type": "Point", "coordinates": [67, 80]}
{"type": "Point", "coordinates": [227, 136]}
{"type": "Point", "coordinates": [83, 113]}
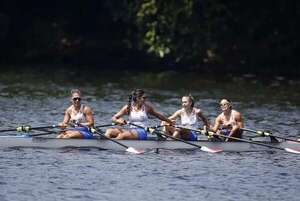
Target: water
{"type": "Point", "coordinates": [90, 174]}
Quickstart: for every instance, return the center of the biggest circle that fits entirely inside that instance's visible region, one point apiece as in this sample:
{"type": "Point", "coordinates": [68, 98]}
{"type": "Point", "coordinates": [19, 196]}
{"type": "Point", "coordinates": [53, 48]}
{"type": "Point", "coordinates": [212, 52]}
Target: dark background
{"type": "Point", "coordinates": [196, 35]}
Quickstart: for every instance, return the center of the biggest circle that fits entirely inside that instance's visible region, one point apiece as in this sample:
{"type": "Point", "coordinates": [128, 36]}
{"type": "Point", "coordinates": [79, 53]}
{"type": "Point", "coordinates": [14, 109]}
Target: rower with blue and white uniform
{"type": "Point", "coordinates": [137, 110]}
{"type": "Point", "coordinates": [80, 116]}
{"type": "Point", "coordinates": [190, 117]}
{"type": "Point", "coordinates": [229, 122]}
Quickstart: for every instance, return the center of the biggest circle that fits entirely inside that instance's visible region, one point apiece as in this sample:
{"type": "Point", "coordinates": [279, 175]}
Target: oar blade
{"type": "Point", "coordinates": [134, 151]}
{"type": "Point", "coordinates": [211, 150]}
{"type": "Point", "coordinates": [292, 150]}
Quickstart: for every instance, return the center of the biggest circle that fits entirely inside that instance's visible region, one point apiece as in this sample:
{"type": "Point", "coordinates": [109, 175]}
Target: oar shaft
{"type": "Point", "coordinates": [128, 149]}
{"type": "Point", "coordinates": [264, 133]}
{"type": "Point", "coordinates": [105, 125]}
{"type": "Point", "coordinates": [235, 138]}
{"type": "Point", "coordinates": [249, 141]}
{"type": "Point", "coordinates": [99, 132]}
{"type": "Point", "coordinates": [28, 128]}
{"type": "Point", "coordinates": [8, 130]}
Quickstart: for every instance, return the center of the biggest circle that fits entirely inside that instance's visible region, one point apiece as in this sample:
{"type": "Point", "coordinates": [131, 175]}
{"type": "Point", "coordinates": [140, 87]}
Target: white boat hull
{"type": "Point", "coordinates": [53, 143]}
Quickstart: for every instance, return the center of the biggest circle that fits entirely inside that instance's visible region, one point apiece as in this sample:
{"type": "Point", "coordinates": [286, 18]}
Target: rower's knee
{"type": "Point", "coordinates": [108, 133]}
{"type": "Point", "coordinates": [121, 136]}
{"type": "Point", "coordinates": [176, 134]}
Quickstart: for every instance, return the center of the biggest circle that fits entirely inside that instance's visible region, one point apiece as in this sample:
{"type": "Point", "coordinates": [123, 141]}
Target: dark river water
{"type": "Point", "coordinates": [40, 98]}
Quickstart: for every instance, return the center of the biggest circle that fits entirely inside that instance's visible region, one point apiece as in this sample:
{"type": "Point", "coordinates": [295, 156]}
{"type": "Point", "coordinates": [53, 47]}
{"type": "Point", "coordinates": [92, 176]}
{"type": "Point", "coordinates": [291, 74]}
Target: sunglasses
{"type": "Point", "coordinates": [77, 99]}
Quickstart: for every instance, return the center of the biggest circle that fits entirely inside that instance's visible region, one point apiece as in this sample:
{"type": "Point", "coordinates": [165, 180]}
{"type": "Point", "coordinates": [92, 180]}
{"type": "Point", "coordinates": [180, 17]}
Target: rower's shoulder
{"type": "Point", "coordinates": [179, 112]}
{"type": "Point", "coordinates": [69, 109]}
{"type": "Point", "coordinates": [236, 113]}
{"type": "Point", "coordinates": [220, 116]}
{"type": "Point", "coordinates": [197, 110]}
{"type": "Point", "coordinates": [148, 106]}
{"type": "Point", "coordinates": [87, 108]}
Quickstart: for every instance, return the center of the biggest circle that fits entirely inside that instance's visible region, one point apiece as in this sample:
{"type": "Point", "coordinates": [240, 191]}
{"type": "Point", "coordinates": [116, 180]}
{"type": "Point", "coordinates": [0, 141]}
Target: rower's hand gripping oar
{"type": "Point", "coordinates": [291, 150]}
{"type": "Point", "coordinates": [128, 149]}
{"type": "Point", "coordinates": [268, 134]}
{"type": "Point", "coordinates": [202, 148]}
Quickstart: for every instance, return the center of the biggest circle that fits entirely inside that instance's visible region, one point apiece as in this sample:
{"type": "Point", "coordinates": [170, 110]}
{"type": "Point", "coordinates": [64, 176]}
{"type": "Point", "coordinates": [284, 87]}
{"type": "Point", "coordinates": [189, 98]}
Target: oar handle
{"type": "Point", "coordinates": [105, 125]}
{"type": "Point", "coordinates": [201, 131]}
{"type": "Point", "coordinates": [29, 128]}
{"type": "Point", "coordinates": [260, 133]}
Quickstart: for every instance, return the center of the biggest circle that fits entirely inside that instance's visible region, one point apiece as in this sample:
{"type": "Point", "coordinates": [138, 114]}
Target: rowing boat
{"type": "Point", "coordinates": [25, 141]}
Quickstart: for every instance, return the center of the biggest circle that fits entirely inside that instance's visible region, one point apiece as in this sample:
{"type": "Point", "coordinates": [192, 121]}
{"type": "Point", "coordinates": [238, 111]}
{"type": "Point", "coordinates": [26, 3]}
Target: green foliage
{"type": "Point", "coordinates": [184, 32]}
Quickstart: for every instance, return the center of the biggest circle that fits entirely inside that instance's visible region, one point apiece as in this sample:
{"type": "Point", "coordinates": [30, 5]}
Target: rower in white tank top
{"type": "Point", "coordinates": [190, 120]}
{"type": "Point", "coordinates": [231, 120]}
{"type": "Point", "coordinates": [77, 117]}
{"type": "Point", "coordinates": [138, 117]}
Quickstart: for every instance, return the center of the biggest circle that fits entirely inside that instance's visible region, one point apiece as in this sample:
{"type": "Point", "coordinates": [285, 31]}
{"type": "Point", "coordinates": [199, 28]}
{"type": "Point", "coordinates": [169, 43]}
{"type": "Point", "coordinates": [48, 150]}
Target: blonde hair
{"type": "Point", "coordinates": [191, 98]}
{"type": "Point", "coordinates": [73, 91]}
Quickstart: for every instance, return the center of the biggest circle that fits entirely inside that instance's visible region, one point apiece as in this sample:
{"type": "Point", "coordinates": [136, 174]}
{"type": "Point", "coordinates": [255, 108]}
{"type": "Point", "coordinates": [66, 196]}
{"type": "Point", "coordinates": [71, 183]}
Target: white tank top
{"type": "Point", "coordinates": [231, 121]}
{"type": "Point", "coordinates": [79, 116]}
{"type": "Point", "coordinates": [191, 120]}
{"type": "Point", "coordinates": [138, 117]}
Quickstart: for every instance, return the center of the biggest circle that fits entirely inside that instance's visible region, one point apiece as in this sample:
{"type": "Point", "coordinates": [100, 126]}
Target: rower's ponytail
{"type": "Point", "coordinates": [129, 103]}
{"type": "Point", "coordinates": [133, 97]}
{"type": "Point", "coordinates": [191, 98]}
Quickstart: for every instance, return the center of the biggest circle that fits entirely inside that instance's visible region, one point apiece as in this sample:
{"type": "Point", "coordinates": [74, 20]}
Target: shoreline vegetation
{"type": "Point", "coordinates": [154, 35]}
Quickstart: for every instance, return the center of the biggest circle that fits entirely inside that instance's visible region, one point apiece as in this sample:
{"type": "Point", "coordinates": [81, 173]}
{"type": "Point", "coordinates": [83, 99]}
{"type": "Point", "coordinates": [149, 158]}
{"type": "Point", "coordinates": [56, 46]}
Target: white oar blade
{"type": "Point", "coordinates": [211, 150]}
{"type": "Point", "coordinates": [292, 150]}
{"type": "Point", "coordinates": [134, 151]}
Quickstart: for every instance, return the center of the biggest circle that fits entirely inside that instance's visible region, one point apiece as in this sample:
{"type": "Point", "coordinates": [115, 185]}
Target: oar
{"type": "Point", "coordinates": [41, 134]}
{"type": "Point", "coordinates": [291, 150]}
{"type": "Point", "coordinates": [265, 133]}
{"type": "Point", "coordinates": [202, 148]}
{"type": "Point", "coordinates": [28, 128]}
{"type": "Point", "coordinates": [105, 125]}
{"type": "Point", "coordinates": [128, 149]}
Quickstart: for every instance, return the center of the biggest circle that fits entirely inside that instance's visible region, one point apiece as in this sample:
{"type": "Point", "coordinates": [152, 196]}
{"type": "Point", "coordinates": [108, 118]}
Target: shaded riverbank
{"type": "Point", "coordinates": [240, 87]}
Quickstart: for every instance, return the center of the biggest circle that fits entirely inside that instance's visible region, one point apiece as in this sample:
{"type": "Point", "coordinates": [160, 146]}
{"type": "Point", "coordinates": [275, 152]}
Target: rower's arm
{"type": "Point", "coordinates": [175, 115]}
{"type": "Point", "coordinates": [158, 115]}
{"type": "Point", "coordinates": [216, 125]}
{"type": "Point", "coordinates": [204, 119]}
{"type": "Point", "coordinates": [239, 123]}
{"type": "Point", "coordinates": [173, 118]}
{"type": "Point", "coordinates": [88, 116]}
{"type": "Point", "coordinates": [66, 120]}
{"type": "Point", "coordinates": [117, 117]}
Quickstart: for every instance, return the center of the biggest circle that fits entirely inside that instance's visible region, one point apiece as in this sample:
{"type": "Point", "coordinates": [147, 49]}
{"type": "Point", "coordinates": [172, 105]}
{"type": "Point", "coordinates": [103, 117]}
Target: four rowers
{"type": "Point", "coordinates": [228, 123]}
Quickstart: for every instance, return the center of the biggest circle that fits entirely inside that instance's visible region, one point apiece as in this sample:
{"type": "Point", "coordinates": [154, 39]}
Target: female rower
{"type": "Point", "coordinates": [229, 122]}
{"type": "Point", "coordinates": [190, 118]}
{"type": "Point", "coordinates": [81, 116]}
{"type": "Point", "coordinates": [137, 110]}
